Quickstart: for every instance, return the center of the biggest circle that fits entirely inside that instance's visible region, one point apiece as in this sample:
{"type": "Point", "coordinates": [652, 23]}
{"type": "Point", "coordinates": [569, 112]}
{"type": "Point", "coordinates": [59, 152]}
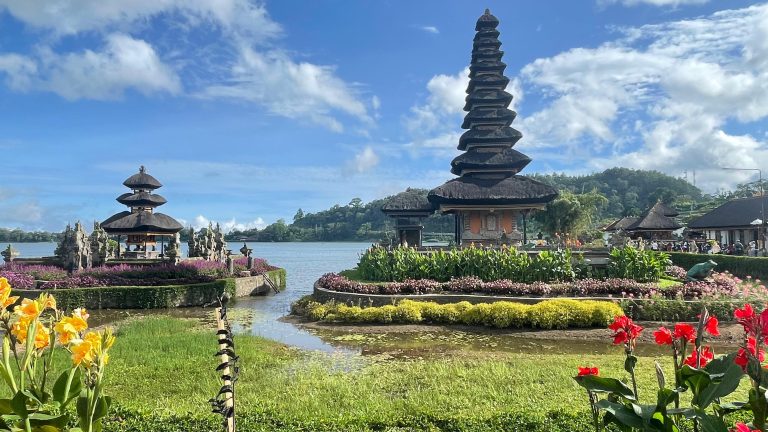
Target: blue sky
{"type": "Point", "coordinates": [248, 110]}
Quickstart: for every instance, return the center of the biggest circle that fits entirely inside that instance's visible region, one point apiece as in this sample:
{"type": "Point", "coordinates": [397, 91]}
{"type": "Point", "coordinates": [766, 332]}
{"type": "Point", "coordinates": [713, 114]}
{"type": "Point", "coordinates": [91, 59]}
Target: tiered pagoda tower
{"type": "Point", "coordinates": [142, 224]}
{"type": "Point", "coordinates": [489, 197]}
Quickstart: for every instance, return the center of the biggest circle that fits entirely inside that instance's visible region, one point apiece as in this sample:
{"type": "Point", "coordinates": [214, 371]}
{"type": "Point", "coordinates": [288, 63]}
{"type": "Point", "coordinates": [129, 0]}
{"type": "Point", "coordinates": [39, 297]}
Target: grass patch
{"type": "Point", "coordinates": [665, 283]}
{"type": "Point", "coordinates": [162, 375]}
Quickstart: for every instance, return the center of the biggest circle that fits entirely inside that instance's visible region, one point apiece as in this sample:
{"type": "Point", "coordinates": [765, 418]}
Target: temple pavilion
{"type": "Point", "coordinates": [489, 197]}
{"type": "Point", "coordinates": [141, 224]}
{"type": "Point", "coordinates": [656, 223]}
{"type": "Point", "coordinates": [408, 209]}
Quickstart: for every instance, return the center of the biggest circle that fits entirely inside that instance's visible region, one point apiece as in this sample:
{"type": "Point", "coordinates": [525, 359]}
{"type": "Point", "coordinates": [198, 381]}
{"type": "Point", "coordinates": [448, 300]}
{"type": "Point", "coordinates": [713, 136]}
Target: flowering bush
{"type": "Point", "coordinates": [19, 280]}
{"type": "Point", "coordinates": [676, 272]}
{"type": "Point", "coordinates": [31, 333]}
{"type": "Point", "coordinates": [710, 380]}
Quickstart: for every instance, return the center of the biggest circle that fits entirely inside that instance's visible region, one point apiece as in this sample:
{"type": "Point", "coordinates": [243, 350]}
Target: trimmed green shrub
{"type": "Point", "coordinates": [740, 266]}
{"type": "Point", "coordinates": [548, 314]}
{"type": "Point", "coordinates": [389, 265]}
{"type": "Point", "coordinates": [682, 310]}
{"type": "Point", "coordinates": [639, 265]}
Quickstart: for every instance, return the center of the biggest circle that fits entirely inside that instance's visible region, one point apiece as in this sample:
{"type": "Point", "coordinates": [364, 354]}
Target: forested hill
{"type": "Point", "coordinates": [629, 192]}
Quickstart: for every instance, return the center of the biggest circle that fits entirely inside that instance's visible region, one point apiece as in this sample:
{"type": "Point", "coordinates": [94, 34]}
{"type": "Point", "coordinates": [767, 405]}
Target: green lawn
{"type": "Point", "coordinates": [162, 374]}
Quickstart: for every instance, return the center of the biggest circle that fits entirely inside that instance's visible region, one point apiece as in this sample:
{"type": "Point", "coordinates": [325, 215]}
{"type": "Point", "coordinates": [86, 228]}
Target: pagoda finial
{"type": "Point", "coordinates": [142, 169]}
{"type": "Point", "coordinates": [487, 11]}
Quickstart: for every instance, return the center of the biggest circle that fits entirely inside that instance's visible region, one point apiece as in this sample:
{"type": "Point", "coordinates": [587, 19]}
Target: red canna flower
{"type": "Point", "coordinates": [742, 357]}
{"type": "Point", "coordinates": [584, 371]}
{"type": "Point", "coordinates": [706, 356]}
{"type": "Point", "coordinates": [711, 326]}
{"type": "Point", "coordinates": [685, 331]}
{"type": "Point", "coordinates": [663, 336]}
{"type": "Point", "coordinates": [625, 331]}
{"type": "Point", "coordinates": [741, 427]}
{"type": "Point", "coordinates": [754, 324]}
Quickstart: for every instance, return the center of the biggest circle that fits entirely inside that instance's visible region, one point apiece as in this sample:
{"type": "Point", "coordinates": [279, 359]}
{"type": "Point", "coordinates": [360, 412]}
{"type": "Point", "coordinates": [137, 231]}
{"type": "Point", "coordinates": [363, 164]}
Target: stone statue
{"type": "Point", "coordinates": [9, 254]}
{"type": "Point", "coordinates": [220, 245]}
{"type": "Point", "coordinates": [700, 271]}
{"type": "Point", "coordinates": [100, 247]}
{"type": "Point", "coordinates": [193, 246]}
{"type": "Point", "coordinates": [245, 250]}
{"type": "Point", "coordinates": [619, 239]}
{"type": "Point", "coordinates": [173, 251]}
{"type": "Point", "coordinates": [74, 250]}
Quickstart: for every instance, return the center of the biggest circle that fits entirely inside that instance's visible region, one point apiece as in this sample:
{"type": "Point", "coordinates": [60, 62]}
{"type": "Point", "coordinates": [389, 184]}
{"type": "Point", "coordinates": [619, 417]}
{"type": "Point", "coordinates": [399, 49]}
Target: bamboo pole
{"type": "Point", "coordinates": [226, 373]}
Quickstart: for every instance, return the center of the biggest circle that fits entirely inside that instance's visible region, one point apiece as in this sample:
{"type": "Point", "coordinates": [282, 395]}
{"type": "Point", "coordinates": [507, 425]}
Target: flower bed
{"type": "Point", "coordinates": [184, 273]}
{"type": "Point", "coordinates": [548, 314]}
{"type": "Point", "coordinates": [719, 286]}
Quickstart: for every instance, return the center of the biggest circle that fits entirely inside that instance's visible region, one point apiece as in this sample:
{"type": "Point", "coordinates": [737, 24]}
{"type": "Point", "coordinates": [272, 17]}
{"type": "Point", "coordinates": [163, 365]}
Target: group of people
{"type": "Point", "coordinates": [692, 246]}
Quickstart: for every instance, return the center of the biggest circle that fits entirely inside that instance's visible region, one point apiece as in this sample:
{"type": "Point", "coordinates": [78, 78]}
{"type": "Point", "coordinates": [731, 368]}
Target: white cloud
{"type": "Point", "coordinates": [201, 221]}
{"type": "Point", "coordinates": [124, 63]}
{"type": "Point", "coordinates": [291, 89]}
{"type": "Point", "coordinates": [241, 17]}
{"type": "Point", "coordinates": [673, 3]}
{"type": "Point", "coordinates": [363, 161]}
{"type": "Point", "coordinates": [430, 29]}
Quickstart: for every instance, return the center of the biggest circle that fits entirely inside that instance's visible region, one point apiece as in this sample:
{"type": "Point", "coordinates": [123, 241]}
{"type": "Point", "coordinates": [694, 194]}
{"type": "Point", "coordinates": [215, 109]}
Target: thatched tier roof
{"type": "Point", "coordinates": [487, 81]}
{"type": "Point", "coordinates": [141, 199]}
{"type": "Point", "coordinates": [665, 209]}
{"type": "Point", "coordinates": [142, 180]}
{"type": "Point", "coordinates": [495, 97]}
{"type": "Point", "coordinates": [621, 224]}
{"type": "Point", "coordinates": [486, 67]}
{"type": "Point", "coordinates": [735, 213]}
{"type": "Point", "coordinates": [508, 159]}
{"type": "Point", "coordinates": [141, 222]}
{"type": "Point", "coordinates": [409, 202]}
{"type": "Point", "coordinates": [653, 220]}
{"type": "Point", "coordinates": [487, 191]}
{"type": "Point", "coordinates": [489, 136]}
{"type": "Point", "coordinates": [499, 116]}
{"type": "Point", "coordinates": [486, 21]}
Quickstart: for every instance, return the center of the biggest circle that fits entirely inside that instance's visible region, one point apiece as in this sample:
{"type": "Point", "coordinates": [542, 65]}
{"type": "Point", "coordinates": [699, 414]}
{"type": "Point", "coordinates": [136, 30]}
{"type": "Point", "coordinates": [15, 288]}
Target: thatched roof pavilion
{"type": "Point", "coordinates": [141, 224]}
{"type": "Point", "coordinates": [488, 196]}
{"type": "Point", "coordinates": [408, 208]}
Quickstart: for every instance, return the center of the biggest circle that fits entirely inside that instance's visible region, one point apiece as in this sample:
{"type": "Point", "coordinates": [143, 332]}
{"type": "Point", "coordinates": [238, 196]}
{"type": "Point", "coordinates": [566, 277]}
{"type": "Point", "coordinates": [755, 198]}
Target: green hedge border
{"type": "Point", "coordinates": [146, 297]}
{"type": "Point", "coordinates": [741, 266]}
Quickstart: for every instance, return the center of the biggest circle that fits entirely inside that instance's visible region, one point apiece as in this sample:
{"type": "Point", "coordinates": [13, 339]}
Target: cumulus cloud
{"type": "Point", "coordinates": [234, 63]}
{"type": "Point", "coordinates": [290, 89]}
{"type": "Point", "coordinates": [227, 226]}
{"type": "Point", "coordinates": [363, 161]}
{"type": "Point", "coordinates": [241, 17]}
{"type": "Point", "coordinates": [124, 63]}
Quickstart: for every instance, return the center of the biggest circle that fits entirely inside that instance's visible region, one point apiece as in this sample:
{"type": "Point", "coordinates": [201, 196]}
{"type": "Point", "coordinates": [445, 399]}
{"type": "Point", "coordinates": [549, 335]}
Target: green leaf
{"type": "Point", "coordinates": [60, 387]}
{"type": "Point", "coordinates": [82, 406]}
{"type": "Point", "coordinates": [40, 419]}
{"type": "Point", "coordinates": [102, 406]}
{"type": "Point", "coordinates": [731, 407]}
{"type": "Point", "coordinates": [726, 376]}
{"type": "Point", "coordinates": [710, 423]}
{"type": "Point", "coordinates": [599, 384]}
{"type": "Point", "coordinates": [630, 363]}
{"type": "Point", "coordinates": [19, 404]}
{"type": "Point", "coordinates": [622, 414]}
{"type": "Point", "coordinates": [5, 406]}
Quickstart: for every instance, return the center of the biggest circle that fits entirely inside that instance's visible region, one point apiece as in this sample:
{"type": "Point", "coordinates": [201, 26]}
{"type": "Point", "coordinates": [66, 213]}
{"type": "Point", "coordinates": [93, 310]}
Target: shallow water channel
{"type": "Point", "coordinates": [304, 264]}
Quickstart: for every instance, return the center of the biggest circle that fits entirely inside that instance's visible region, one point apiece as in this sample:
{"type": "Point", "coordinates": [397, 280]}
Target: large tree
{"type": "Point", "coordinates": [571, 213]}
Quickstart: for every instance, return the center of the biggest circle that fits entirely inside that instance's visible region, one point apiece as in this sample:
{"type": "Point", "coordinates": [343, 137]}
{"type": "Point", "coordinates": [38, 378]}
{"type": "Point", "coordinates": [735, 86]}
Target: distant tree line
{"type": "Point", "coordinates": [586, 203]}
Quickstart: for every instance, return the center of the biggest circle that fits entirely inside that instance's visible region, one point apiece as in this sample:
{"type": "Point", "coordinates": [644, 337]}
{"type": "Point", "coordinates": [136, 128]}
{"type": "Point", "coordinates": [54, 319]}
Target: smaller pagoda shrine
{"type": "Point", "coordinates": [408, 209]}
{"type": "Point", "coordinates": [141, 225]}
{"type": "Point", "coordinates": [656, 223]}
{"type": "Point", "coordinates": [489, 197]}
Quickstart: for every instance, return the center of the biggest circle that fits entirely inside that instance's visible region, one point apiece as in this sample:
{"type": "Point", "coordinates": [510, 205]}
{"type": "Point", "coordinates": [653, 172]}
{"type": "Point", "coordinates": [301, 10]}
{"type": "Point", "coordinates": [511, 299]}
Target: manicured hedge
{"type": "Point", "coordinates": [681, 310]}
{"type": "Point", "coordinates": [547, 314]}
{"type": "Point", "coordinates": [138, 297]}
{"type": "Point", "coordinates": [741, 266]}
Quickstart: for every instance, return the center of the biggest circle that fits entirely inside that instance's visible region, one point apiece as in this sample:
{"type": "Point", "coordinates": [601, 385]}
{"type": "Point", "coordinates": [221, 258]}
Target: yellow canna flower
{"type": "Point", "coordinates": [47, 301]}
{"type": "Point", "coordinates": [19, 330]}
{"type": "Point", "coordinates": [82, 352]}
{"type": "Point", "coordinates": [5, 294]}
{"type": "Point", "coordinates": [28, 310]}
{"type": "Point", "coordinates": [69, 328]}
{"type": "Point", "coordinates": [42, 336]}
